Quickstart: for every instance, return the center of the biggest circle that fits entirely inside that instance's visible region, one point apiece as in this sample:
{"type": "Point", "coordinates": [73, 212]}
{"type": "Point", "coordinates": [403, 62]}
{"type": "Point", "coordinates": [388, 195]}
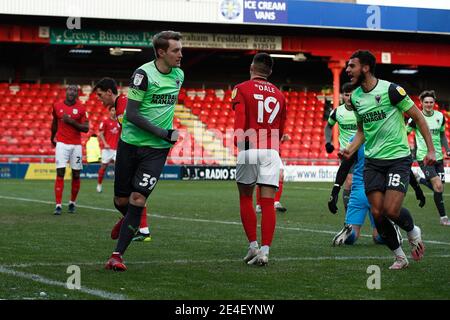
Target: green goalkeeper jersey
{"type": "Point", "coordinates": [381, 113]}
{"type": "Point", "coordinates": [346, 121]}
{"type": "Point", "coordinates": [158, 94]}
{"type": "Point", "coordinates": [436, 124]}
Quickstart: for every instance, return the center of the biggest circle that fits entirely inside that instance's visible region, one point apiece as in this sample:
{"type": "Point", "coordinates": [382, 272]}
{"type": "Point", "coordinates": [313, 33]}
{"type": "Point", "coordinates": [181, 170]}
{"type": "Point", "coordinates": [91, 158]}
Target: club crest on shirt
{"type": "Point", "coordinates": [75, 111]}
{"type": "Point", "coordinates": [138, 79]}
{"type": "Point", "coordinates": [177, 81]}
{"type": "Point", "coordinates": [378, 98]}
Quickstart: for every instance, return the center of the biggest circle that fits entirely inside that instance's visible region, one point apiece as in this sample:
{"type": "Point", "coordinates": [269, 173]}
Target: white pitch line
{"type": "Point", "coordinates": [38, 278]}
{"type": "Point", "coordinates": [329, 189]}
{"type": "Point", "coordinates": [204, 220]}
{"type": "Point", "coordinates": [189, 261]}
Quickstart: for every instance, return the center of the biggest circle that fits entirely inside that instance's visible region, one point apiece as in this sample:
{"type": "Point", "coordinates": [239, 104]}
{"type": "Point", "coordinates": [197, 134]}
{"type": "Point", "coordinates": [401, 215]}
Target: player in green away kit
{"type": "Point", "coordinates": [346, 120]}
{"type": "Point", "coordinates": [147, 136]}
{"type": "Point", "coordinates": [434, 175]}
{"type": "Point", "coordinates": [379, 107]}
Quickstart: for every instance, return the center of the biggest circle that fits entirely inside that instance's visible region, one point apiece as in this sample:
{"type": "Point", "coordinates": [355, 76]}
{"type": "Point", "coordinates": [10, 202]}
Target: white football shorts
{"type": "Point", "coordinates": [258, 166]}
{"type": "Point", "coordinates": [108, 155]}
{"type": "Point", "coordinates": [72, 153]}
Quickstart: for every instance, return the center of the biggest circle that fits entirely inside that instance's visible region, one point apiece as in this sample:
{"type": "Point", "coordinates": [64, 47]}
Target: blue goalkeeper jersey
{"type": "Point", "coordinates": [358, 169]}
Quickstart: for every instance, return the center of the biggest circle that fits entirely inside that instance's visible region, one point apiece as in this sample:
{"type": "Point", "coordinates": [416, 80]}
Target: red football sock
{"type": "Point", "coordinates": [59, 188]}
{"type": "Point", "coordinates": [280, 190]}
{"type": "Point", "coordinates": [101, 174]}
{"type": "Point", "coordinates": [75, 189]}
{"type": "Point", "coordinates": [258, 195]}
{"type": "Point", "coordinates": [248, 217]}
{"type": "Point", "coordinates": [143, 223]}
{"type": "Point", "coordinates": [268, 221]}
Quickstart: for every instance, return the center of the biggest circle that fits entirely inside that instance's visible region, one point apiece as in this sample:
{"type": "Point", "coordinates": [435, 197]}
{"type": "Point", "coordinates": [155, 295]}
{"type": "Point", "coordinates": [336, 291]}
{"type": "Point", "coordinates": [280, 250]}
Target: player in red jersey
{"type": "Point", "coordinates": [69, 120]}
{"type": "Point", "coordinates": [108, 132]}
{"type": "Point", "coordinates": [260, 114]}
{"type": "Point", "coordinates": [106, 90]}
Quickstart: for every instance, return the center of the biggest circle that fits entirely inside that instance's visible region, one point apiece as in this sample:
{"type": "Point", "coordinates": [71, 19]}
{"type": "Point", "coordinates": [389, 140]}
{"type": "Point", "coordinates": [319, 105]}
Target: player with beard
{"type": "Point", "coordinates": [379, 107]}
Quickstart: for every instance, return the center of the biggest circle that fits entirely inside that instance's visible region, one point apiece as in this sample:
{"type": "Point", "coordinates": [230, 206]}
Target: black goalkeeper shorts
{"type": "Point", "coordinates": [137, 169]}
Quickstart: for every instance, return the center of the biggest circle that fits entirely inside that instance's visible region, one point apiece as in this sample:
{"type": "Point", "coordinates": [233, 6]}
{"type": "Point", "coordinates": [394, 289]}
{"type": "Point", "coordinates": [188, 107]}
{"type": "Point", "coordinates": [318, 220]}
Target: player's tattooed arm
{"type": "Point", "coordinates": [134, 116]}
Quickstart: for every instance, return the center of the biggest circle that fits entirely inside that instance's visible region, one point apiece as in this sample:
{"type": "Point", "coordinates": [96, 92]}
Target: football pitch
{"type": "Point", "coordinates": [198, 245]}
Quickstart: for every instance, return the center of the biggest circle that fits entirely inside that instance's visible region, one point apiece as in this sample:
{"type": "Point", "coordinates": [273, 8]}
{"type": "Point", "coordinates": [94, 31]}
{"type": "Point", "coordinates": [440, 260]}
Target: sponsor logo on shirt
{"type": "Point", "coordinates": [374, 116]}
{"type": "Point", "coordinates": [349, 126]}
{"type": "Point", "coordinates": [164, 99]}
{"type": "Point", "coordinates": [435, 131]}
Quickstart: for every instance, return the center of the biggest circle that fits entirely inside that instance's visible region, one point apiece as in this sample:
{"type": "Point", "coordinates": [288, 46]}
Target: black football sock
{"type": "Point", "coordinates": [122, 209]}
{"type": "Point", "coordinates": [129, 227]}
{"type": "Point", "coordinates": [387, 232]}
{"type": "Point", "coordinates": [404, 220]}
{"type": "Point", "coordinates": [439, 203]}
{"type": "Point", "coordinates": [346, 198]}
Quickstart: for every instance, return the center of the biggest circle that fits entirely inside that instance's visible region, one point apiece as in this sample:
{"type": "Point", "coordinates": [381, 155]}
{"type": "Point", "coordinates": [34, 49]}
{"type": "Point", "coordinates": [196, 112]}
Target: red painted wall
{"type": "Point", "coordinates": [402, 52]}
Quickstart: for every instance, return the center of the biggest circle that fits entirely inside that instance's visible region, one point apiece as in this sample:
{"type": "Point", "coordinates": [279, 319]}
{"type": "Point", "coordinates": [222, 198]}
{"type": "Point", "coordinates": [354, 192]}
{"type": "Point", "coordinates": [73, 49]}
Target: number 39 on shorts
{"type": "Point", "coordinates": [148, 181]}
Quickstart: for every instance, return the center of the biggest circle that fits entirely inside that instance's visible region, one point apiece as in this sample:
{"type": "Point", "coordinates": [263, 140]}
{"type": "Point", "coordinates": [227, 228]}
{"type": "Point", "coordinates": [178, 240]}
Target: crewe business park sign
{"type": "Point", "coordinates": [101, 37]}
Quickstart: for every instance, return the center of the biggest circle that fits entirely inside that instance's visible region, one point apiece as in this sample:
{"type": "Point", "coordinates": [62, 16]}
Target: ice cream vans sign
{"type": "Point", "coordinates": [265, 11]}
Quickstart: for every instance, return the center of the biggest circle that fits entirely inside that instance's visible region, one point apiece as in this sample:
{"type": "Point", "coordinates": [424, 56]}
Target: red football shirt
{"type": "Point", "coordinates": [260, 112]}
{"type": "Point", "coordinates": [67, 133]}
{"type": "Point", "coordinates": [111, 131]}
{"type": "Point", "coordinates": [121, 105]}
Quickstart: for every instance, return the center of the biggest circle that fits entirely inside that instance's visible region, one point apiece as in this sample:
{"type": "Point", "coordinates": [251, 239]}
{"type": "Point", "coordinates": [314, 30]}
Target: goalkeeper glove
{"type": "Point", "coordinates": [172, 136]}
{"type": "Point", "coordinates": [421, 197]}
{"type": "Point", "coordinates": [332, 203]}
{"type": "Point", "coordinates": [329, 147]}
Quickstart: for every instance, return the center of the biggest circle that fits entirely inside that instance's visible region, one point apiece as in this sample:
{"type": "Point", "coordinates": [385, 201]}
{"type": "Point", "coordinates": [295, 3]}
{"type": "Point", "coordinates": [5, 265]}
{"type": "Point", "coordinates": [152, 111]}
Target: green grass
{"type": "Point", "coordinates": [197, 247]}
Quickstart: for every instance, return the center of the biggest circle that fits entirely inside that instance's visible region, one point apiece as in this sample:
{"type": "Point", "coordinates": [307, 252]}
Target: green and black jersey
{"type": "Point", "coordinates": [346, 121]}
{"type": "Point", "coordinates": [158, 94]}
{"type": "Point", "coordinates": [436, 123]}
{"type": "Point", "coordinates": [381, 113]}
